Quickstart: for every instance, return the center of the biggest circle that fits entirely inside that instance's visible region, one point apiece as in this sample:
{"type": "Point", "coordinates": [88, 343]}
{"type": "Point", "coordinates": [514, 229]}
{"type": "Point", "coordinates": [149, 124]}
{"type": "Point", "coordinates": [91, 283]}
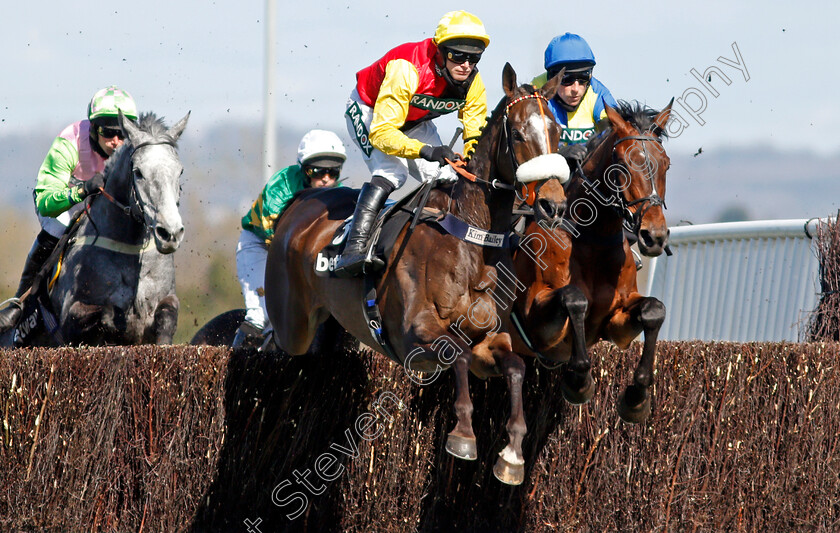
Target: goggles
{"type": "Point", "coordinates": [459, 57]}
{"type": "Point", "coordinates": [569, 78]}
{"type": "Point", "coordinates": [320, 172]}
{"type": "Point", "coordinates": [580, 77]}
{"type": "Point", "coordinates": [109, 133]}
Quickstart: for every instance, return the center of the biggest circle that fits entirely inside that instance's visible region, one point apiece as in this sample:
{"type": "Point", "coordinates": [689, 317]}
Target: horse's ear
{"type": "Point", "coordinates": [176, 130]}
{"type": "Point", "coordinates": [662, 117]}
{"type": "Point", "coordinates": [129, 128]}
{"type": "Point", "coordinates": [549, 90]}
{"type": "Point", "coordinates": [509, 80]}
{"type": "Point", "coordinates": [618, 123]}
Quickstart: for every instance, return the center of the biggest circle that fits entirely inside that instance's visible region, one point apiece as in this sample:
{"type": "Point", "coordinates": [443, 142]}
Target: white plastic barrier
{"type": "Point", "coordinates": [738, 281]}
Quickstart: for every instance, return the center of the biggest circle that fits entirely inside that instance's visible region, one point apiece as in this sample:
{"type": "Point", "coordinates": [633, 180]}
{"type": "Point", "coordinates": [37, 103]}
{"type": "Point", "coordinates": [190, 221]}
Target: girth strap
{"type": "Point", "coordinates": [467, 233]}
{"type": "Point", "coordinates": [374, 319]}
{"type": "Point", "coordinates": [114, 245]}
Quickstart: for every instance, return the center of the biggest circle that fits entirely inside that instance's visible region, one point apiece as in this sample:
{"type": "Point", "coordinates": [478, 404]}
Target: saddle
{"type": "Point", "coordinates": [411, 209]}
{"type": "Point", "coordinates": [385, 230]}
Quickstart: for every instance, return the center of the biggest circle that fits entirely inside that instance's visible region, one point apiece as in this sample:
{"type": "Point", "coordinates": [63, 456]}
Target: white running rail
{"type": "Point", "coordinates": [738, 281]}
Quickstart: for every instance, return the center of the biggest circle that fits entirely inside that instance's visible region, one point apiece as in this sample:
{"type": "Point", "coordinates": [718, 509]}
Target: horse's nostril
{"type": "Point", "coordinates": [548, 207]}
{"type": "Point", "coordinates": [163, 234]}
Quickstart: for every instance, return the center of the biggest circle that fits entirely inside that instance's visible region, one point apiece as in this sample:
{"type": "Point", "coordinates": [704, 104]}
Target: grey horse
{"type": "Point", "coordinates": [116, 279]}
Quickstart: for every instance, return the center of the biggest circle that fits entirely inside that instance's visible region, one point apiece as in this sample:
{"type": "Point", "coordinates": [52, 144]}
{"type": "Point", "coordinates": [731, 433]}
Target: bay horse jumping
{"type": "Point", "coordinates": [434, 283]}
{"type": "Point", "coordinates": [578, 267]}
{"type": "Point", "coordinates": [115, 281]}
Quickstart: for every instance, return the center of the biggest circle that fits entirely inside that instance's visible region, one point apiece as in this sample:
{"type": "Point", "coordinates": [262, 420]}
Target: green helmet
{"type": "Point", "coordinates": [105, 104]}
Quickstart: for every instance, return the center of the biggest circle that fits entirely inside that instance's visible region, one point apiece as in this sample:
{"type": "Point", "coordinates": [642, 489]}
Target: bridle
{"type": "Point", "coordinates": [508, 142]}
{"type": "Point", "coordinates": [530, 192]}
{"type": "Point", "coordinates": [646, 203]}
{"type": "Point", "coordinates": [617, 201]}
{"type": "Point", "coordinates": [506, 125]}
{"type": "Point", "coordinates": [136, 208]}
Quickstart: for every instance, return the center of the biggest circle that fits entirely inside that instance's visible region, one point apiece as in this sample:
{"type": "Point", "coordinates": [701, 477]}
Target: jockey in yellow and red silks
{"type": "Point", "coordinates": [390, 116]}
{"type": "Point", "coordinates": [579, 103]}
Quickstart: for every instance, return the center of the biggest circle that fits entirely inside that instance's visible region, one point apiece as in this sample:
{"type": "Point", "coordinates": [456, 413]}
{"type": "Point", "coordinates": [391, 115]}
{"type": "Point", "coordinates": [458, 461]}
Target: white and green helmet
{"type": "Point", "coordinates": [106, 103]}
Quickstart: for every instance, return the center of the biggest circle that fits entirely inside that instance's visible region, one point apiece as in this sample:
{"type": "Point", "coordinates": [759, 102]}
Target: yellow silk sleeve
{"type": "Point", "coordinates": [391, 109]}
{"type": "Point", "coordinates": [474, 114]}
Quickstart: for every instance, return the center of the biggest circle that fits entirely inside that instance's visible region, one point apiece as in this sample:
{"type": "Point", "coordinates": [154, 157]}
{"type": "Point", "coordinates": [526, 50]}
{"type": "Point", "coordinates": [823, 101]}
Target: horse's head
{"type": "Point", "coordinates": [155, 177]}
{"type": "Point", "coordinates": [634, 165]}
{"type": "Point", "coordinates": [519, 139]}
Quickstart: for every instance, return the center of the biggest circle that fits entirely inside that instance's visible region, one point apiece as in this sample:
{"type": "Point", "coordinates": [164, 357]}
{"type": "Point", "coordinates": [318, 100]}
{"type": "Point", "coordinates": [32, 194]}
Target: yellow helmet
{"type": "Point", "coordinates": [466, 28]}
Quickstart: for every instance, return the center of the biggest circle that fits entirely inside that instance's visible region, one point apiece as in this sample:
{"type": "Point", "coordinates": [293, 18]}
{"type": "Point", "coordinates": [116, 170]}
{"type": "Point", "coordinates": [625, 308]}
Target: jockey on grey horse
{"type": "Point", "coordinates": [71, 171]}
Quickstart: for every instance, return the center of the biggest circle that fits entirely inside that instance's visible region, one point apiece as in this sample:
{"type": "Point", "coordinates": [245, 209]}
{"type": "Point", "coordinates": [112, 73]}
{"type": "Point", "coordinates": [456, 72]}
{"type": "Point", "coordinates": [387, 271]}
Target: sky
{"type": "Point", "coordinates": [208, 57]}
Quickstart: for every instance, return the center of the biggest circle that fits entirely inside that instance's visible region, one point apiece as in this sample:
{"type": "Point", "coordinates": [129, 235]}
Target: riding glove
{"type": "Point", "coordinates": [573, 152]}
{"type": "Point", "coordinates": [92, 185]}
{"type": "Point", "coordinates": [438, 154]}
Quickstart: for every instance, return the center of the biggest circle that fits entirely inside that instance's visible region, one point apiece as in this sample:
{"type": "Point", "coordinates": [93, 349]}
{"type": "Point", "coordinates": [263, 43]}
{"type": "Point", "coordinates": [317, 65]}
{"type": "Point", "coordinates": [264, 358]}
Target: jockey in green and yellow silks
{"type": "Point", "coordinates": [580, 100]}
{"type": "Point", "coordinates": [320, 157]}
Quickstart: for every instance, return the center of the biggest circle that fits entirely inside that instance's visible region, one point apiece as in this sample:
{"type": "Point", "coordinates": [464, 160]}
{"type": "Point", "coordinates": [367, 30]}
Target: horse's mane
{"type": "Point", "coordinates": [151, 124]}
{"type": "Point", "coordinates": [638, 114]}
{"type": "Point", "coordinates": [641, 116]}
{"type": "Point", "coordinates": [493, 119]}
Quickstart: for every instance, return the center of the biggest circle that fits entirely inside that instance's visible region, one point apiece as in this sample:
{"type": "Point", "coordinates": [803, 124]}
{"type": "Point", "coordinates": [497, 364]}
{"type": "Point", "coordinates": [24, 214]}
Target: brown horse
{"type": "Point", "coordinates": [438, 294]}
{"type": "Point", "coordinates": [578, 269]}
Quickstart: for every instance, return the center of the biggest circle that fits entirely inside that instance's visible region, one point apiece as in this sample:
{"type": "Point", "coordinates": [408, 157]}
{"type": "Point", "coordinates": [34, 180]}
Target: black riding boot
{"type": "Point", "coordinates": [371, 199]}
{"type": "Point", "coordinates": [38, 255]}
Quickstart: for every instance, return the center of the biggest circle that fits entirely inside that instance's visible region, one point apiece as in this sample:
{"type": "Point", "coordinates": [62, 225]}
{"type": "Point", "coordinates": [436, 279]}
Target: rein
{"type": "Point", "coordinates": [460, 167]}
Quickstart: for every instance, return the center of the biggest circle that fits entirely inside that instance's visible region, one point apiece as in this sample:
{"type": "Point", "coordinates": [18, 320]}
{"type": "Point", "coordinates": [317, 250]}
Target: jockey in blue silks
{"type": "Point", "coordinates": [579, 103]}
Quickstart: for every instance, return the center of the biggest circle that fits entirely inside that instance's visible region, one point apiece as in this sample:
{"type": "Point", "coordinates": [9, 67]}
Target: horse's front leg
{"type": "Point", "coordinates": [510, 466]}
{"type": "Point", "coordinates": [166, 319]}
{"type": "Point", "coordinates": [433, 356]}
{"type": "Point", "coordinates": [88, 323]}
{"type": "Point", "coordinates": [548, 319]}
{"type": "Point", "coordinates": [461, 440]}
{"type": "Point", "coordinates": [641, 314]}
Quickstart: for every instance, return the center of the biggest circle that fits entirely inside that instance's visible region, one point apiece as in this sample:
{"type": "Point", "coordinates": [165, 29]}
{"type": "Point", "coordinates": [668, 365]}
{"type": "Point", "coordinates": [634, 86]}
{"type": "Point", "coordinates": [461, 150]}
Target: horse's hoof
{"type": "Point", "coordinates": [575, 391]}
{"type": "Point", "coordinates": [509, 473]}
{"type": "Point", "coordinates": [634, 405]}
{"type": "Point", "coordinates": [462, 447]}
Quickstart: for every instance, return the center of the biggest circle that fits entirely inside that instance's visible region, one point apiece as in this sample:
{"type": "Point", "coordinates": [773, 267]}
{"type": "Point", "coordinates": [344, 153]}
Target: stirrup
{"type": "Point", "coordinates": [637, 259]}
{"type": "Point", "coordinates": [268, 344]}
{"type": "Point", "coordinates": [373, 261]}
{"type": "Point", "coordinates": [13, 301]}
{"type": "Point", "coordinates": [350, 270]}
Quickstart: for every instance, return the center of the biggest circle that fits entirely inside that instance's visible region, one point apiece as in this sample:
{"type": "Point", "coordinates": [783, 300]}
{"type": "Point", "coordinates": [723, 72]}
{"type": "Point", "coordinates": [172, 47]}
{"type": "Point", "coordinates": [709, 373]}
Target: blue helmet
{"type": "Point", "coordinates": [568, 50]}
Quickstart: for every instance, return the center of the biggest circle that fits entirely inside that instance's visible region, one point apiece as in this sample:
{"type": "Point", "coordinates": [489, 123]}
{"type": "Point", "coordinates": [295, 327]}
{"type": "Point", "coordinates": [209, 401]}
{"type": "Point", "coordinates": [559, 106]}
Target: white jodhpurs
{"type": "Point", "coordinates": [251, 253]}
